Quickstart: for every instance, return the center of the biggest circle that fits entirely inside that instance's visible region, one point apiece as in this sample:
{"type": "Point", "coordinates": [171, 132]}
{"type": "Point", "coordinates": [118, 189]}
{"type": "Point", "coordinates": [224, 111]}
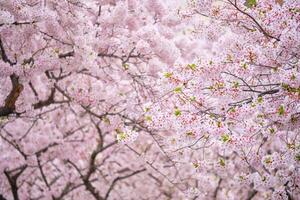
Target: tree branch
{"type": "Point", "coordinates": [119, 179]}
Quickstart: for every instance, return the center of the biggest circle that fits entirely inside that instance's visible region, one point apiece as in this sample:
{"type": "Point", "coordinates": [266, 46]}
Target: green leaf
{"type": "Point", "coordinates": [260, 116]}
{"type": "Point", "coordinates": [167, 75]}
{"type": "Point", "coordinates": [297, 157]}
{"type": "Point", "coordinates": [291, 146]}
{"type": "Point", "coordinates": [211, 87]}
{"type": "Point", "coordinates": [193, 98]}
{"type": "Point", "coordinates": [219, 124]}
{"type": "Point", "coordinates": [177, 112]}
{"type": "Point", "coordinates": [268, 160]}
{"type": "Point", "coordinates": [281, 110]}
{"type": "Point", "coordinates": [232, 109]}
{"type": "Point", "coordinates": [222, 162]}
{"type": "Point", "coordinates": [106, 120]}
{"type": "Point", "coordinates": [235, 84]}
{"type": "Point", "coordinates": [272, 130]}
{"type": "Point", "coordinates": [148, 118]}
{"type": "Point", "coordinates": [285, 86]}
{"type": "Point", "coordinates": [121, 135]}
{"type": "Point", "coordinates": [196, 165]}
{"type": "Point", "coordinates": [125, 66]}
{"type": "Point", "coordinates": [250, 3]}
{"type": "Point", "coordinates": [192, 66]}
{"type": "Point", "coordinates": [178, 90]}
{"type": "Point", "coordinates": [244, 66]}
{"type": "Point", "coordinates": [293, 77]}
{"type": "Point", "coordinates": [190, 133]}
{"type": "Point", "coordinates": [225, 138]}
{"type": "Point", "coordinates": [260, 99]}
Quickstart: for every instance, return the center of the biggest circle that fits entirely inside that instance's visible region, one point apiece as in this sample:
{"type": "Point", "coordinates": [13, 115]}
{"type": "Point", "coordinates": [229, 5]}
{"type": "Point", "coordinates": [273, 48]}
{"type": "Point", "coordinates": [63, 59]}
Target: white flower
{"type": "Point", "coordinates": [127, 136]}
{"type": "Point", "coordinates": [6, 17]}
{"type": "Point", "coordinates": [147, 106]}
{"type": "Point", "coordinates": [192, 192]}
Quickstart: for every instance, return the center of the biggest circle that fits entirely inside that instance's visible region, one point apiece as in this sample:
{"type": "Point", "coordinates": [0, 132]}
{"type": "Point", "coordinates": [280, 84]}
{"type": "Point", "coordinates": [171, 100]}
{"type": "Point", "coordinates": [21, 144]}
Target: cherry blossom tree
{"type": "Point", "coordinates": [234, 114]}
{"type": "Point", "coordinates": [149, 99]}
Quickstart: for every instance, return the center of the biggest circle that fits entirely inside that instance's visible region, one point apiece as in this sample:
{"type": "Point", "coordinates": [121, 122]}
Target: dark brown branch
{"type": "Point", "coordinates": [18, 23]}
{"type": "Point", "coordinates": [42, 171]}
{"type": "Point", "coordinates": [119, 179]}
{"type": "Point", "coordinates": [254, 20]}
{"type": "Point", "coordinates": [33, 89]}
{"type": "Point", "coordinates": [251, 194]}
{"type": "Point", "coordinates": [92, 190]}
{"type": "Point", "coordinates": [55, 38]}
{"type": "Point", "coordinates": [69, 188]}
{"type": "Point", "coordinates": [46, 102]}
{"type": "Point", "coordinates": [15, 145]}
{"type": "Point", "coordinates": [215, 195]}
{"type": "Point", "coordinates": [10, 101]}
{"type": "Point", "coordinates": [2, 197]}
{"type": "Point", "coordinates": [92, 169]}
{"type": "Point", "coordinates": [9, 105]}
{"type": "Point", "coordinates": [268, 92]}
{"type": "Point", "coordinates": [3, 54]}
{"type": "Point", "coordinates": [14, 94]}
{"type": "Point", "coordinates": [12, 180]}
{"type": "Point", "coordinates": [66, 55]}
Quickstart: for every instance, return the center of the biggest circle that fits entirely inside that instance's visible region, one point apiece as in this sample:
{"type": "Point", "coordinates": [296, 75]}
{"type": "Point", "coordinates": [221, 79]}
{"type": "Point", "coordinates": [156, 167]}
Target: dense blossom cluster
{"type": "Point", "coordinates": [149, 99]}
{"type": "Point", "coordinates": [235, 113]}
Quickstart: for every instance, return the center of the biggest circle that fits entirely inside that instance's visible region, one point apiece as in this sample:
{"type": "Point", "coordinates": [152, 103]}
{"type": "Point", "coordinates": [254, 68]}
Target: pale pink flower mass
{"type": "Point", "coordinates": [149, 100]}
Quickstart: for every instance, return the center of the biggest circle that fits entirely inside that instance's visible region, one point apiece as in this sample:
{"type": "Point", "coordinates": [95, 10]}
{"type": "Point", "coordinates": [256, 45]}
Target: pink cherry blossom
{"type": "Point", "coordinates": [149, 99]}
